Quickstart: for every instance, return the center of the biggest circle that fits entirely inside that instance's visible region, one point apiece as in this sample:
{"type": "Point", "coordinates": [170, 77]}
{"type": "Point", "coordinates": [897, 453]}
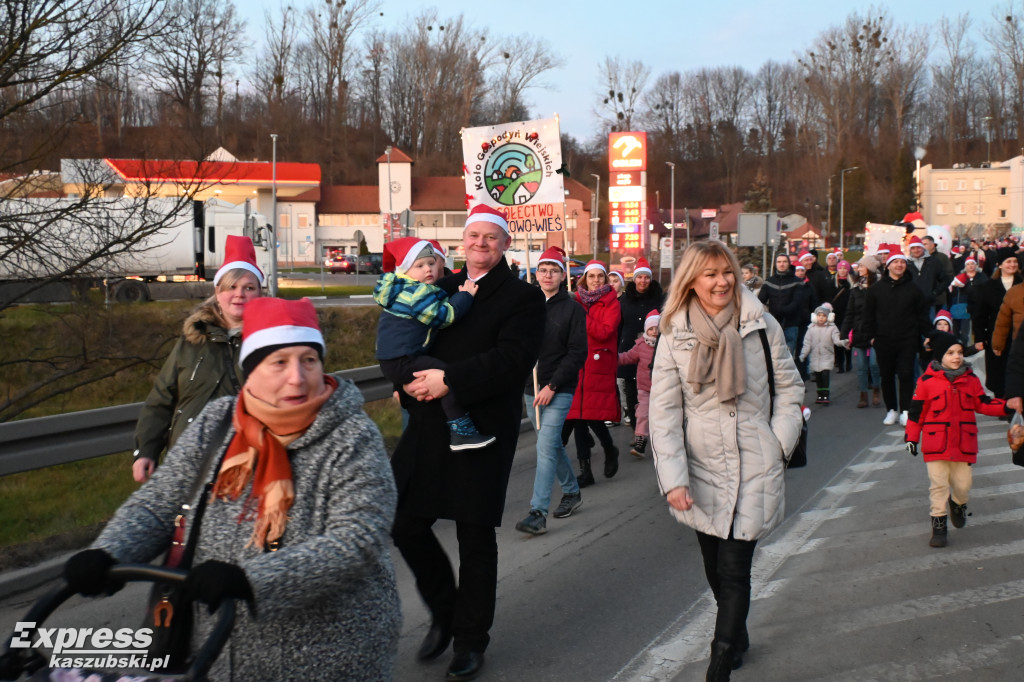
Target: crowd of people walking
{"type": "Point", "coordinates": [722, 350]}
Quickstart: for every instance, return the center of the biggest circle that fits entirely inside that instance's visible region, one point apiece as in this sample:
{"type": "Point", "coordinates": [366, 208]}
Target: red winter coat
{"type": "Point", "coordinates": [596, 396]}
{"type": "Point", "coordinates": [942, 415]}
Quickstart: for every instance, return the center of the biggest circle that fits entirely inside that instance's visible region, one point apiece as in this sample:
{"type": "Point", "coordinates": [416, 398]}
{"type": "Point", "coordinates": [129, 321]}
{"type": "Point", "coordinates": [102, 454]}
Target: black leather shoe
{"type": "Point", "coordinates": [435, 643]}
{"type": "Point", "coordinates": [465, 666]}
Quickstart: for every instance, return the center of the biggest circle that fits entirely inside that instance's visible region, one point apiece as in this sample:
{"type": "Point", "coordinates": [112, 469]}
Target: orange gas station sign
{"type": "Point", "coordinates": [627, 151]}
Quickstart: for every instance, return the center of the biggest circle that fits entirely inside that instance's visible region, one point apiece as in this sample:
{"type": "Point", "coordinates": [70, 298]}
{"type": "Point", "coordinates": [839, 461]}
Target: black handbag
{"type": "Point", "coordinates": [168, 614]}
{"type": "Point", "coordinates": [799, 457]}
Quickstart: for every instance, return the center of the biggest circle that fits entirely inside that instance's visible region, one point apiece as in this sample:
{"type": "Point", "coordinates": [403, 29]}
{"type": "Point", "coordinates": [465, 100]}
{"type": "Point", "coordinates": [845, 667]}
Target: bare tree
{"type": "Point", "coordinates": [665, 113]}
{"type": "Point", "coordinates": [952, 78]}
{"type": "Point", "coordinates": [1006, 36]}
{"type": "Point", "coordinates": [191, 52]}
{"type": "Point", "coordinates": [521, 61]}
{"type": "Point", "coordinates": [623, 89]}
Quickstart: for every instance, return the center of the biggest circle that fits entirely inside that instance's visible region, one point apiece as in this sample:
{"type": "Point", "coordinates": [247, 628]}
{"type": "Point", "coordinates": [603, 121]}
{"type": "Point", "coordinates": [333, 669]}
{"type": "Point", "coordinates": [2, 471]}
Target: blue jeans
{"type": "Point", "coordinates": [552, 460]}
{"type": "Point", "coordinates": [791, 334]}
{"type": "Point", "coordinates": [867, 368]}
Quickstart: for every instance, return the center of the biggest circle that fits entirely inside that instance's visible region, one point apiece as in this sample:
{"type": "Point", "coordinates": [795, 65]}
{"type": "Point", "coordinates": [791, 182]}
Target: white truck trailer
{"type": "Point", "coordinates": [139, 249]}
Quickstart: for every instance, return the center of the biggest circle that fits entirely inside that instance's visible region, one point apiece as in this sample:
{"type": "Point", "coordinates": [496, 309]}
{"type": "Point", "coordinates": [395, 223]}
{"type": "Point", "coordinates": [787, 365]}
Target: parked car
{"type": "Point", "coordinates": [371, 263]}
{"type": "Point", "coordinates": [340, 263]}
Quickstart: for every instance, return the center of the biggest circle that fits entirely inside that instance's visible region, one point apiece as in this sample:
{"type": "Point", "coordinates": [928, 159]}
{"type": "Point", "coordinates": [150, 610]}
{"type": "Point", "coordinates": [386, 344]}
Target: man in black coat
{"type": "Point", "coordinates": [783, 294]}
{"type": "Point", "coordinates": [642, 295]}
{"type": "Point", "coordinates": [489, 353]}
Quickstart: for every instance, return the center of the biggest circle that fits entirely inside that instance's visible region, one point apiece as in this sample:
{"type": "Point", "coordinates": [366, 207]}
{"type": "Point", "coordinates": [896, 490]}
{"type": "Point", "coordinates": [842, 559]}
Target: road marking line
{"type": "Point", "coordinates": [871, 467]}
{"type": "Point", "coordinates": [942, 665]}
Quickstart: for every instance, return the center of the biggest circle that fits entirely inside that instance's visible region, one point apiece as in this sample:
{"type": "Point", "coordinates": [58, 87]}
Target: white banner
{"type": "Point", "coordinates": [512, 164]}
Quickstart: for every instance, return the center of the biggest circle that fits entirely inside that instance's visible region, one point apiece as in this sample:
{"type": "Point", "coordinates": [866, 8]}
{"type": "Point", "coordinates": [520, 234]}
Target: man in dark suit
{"type": "Point", "coordinates": [489, 354]}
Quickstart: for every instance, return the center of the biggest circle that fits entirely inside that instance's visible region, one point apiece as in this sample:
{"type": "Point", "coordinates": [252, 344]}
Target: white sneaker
{"type": "Point", "coordinates": [890, 417]}
{"type": "Point", "coordinates": [903, 418]}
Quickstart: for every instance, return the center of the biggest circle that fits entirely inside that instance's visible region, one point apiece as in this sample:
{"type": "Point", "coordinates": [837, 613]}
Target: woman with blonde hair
{"type": "Point", "coordinates": [725, 416]}
{"type": "Point", "coordinates": [203, 363]}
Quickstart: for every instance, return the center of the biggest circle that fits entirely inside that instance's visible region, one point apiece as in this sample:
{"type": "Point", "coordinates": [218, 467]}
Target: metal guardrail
{"type": "Point", "coordinates": [47, 441]}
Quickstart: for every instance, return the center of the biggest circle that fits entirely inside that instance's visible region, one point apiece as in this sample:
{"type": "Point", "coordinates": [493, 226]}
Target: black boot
{"type": "Point", "coordinates": [586, 476]}
{"type": "Point", "coordinates": [742, 645]}
{"type": "Point", "coordinates": [957, 513]}
{"type": "Point", "coordinates": [938, 532]}
{"type": "Point", "coordinates": [611, 461]}
{"type": "Point", "coordinates": [721, 662]}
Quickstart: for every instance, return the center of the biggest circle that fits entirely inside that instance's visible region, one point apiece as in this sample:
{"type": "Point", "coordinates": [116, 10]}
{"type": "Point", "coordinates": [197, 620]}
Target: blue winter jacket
{"type": "Point", "coordinates": [412, 311]}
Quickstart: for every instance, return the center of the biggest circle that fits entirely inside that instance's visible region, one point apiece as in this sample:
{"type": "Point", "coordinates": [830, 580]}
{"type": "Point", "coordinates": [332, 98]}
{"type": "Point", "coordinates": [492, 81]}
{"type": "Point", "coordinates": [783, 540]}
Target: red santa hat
{"type": "Point", "coordinates": [943, 315]}
{"type": "Point", "coordinates": [595, 265]}
{"type": "Point", "coordinates": [400, 254]}
{"type": "Point", "coordinates": [269, 324]}
{"type": "Point", "coordinates": [956, 250]}
{"type": "Point", "coordinates": [837, 254]}
{"type": "Point", "coordinates": [642, 266]}
{"type": "Point", "coordinates": [616, 273]}
{"type": "Point", "coordinates": [804, 254]}
{"type": "Point", "coordinates": [239, 254]}
{"type": "Point", "coordinates": [652, 319]}
{"type": "Point", "coordinates": [554, 255]}
{"type": "Point", "coordinates": [914, 241]}
{"type": "Point", "coordinates": [441, 251]}
{"type": "Point", "coordinates": [895, 255]}
{"type": "Point", "coordinates": [486, 214]}
{"type": "Point", "coordinates": [883, 250]}
{"type": "Point", "coordinates": [970, 259]}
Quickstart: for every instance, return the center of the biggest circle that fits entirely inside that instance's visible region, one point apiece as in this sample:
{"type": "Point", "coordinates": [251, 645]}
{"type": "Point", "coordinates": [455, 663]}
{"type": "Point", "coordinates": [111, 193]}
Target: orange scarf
{"type": "Point", "coordinates": [272, 492]}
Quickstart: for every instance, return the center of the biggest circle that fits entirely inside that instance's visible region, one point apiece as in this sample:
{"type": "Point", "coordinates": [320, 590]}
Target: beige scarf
{"type": "Point", "coordinates": [718, 357]}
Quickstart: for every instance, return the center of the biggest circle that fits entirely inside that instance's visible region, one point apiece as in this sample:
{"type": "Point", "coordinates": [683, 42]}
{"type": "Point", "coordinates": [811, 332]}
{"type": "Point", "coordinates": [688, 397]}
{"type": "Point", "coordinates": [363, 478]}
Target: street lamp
{"type": "Point", "coordinates": [672, 217]}
{"type": "Point", "coordinates": [988, 135]}
{"type": "Point", "coordinates": [595, 219]}
{"type": "Point", "coordinates": [273, 211]}
{"type": "Point", "coordinates": [919, 153]}
{"type": "Point", "coordinates": [391, 210]}
{"type": "Point", "coordinates": [842, 202]}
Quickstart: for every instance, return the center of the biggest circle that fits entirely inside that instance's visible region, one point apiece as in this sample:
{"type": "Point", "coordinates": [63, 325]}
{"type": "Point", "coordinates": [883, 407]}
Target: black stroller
{"type": "Point", "coordinates": [30, 661]}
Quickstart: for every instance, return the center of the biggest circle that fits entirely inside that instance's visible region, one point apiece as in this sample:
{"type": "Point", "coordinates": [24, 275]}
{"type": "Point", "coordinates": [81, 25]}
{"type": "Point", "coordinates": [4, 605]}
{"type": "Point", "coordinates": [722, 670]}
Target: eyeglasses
{"type": "Point", "coordinates": [548, 273]}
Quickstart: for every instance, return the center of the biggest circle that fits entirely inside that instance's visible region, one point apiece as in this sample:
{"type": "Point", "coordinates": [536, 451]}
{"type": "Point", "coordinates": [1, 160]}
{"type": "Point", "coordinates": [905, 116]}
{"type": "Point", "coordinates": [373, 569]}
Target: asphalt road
{"type": "Point", "coordinates": [846, 589]}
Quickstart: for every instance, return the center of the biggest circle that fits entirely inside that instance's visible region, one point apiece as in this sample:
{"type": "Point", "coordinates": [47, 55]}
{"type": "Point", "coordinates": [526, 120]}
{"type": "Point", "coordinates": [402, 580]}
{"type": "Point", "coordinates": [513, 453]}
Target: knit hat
{"type": "Point", "coordinates": [595, 265]}
{"type": "Point", "coordinates": [274, 323]}
{"type": "Point", "coordinates": [400, 254]}
{"type": "Point", "coordinates": [486, 214]}
{"type": "Point", "coordinates": [943, 315]}
{"type": "Point", "coordinates": [869, 262]}
{"type": "Point", "coordinates": [940, 342]}
{"type": "Point", "coordinates": [843, 264]}
{"type": "Point", "coordinates": [616, 273]}
{"type": "Point", "coordinates": [239, 253]}
{"type": "Point", "coordinates": [554, 255]}
{"type": "Point", "coordinates": [652, 319]}
{"type": "Point", "coordinates": [642, 266]}
{"type": "Point", "coordinates": [914, 241]}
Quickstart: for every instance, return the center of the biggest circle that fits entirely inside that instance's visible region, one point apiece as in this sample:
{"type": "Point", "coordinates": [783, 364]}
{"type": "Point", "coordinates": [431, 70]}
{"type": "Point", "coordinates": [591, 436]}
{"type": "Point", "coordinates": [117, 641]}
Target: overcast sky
{"type": "Point", "coordinates": [667, 35]}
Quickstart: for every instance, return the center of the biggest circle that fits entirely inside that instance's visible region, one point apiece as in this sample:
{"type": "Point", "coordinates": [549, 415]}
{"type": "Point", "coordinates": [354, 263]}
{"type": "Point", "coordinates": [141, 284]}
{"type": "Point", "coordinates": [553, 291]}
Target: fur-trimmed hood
{"type": "Point", "coordinates": [203, 323]}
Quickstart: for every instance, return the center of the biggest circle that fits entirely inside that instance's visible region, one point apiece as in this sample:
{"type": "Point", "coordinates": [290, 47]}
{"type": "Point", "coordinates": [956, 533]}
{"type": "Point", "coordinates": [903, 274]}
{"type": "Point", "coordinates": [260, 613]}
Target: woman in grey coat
{"type": "Point", "coordinates": [298, 520]}
{"type": "Point", "coordinates": [720, 448]}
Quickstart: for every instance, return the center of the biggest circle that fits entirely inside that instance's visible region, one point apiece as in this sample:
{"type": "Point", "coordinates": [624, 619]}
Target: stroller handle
{"type": "Point", "coordinates": [203, 659]}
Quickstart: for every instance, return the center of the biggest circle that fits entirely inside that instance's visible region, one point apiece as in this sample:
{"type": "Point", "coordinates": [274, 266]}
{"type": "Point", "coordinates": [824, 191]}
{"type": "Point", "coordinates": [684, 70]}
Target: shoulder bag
{"type": "Point", "coordinates": [799, 457]}
{"type": "Point", "coordinates": [168, 614]}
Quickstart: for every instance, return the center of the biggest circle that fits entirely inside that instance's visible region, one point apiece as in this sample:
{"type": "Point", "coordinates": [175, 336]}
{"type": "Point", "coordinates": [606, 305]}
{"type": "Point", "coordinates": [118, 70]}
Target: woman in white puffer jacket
{"type": "Point", "coordinates": [720, 447]}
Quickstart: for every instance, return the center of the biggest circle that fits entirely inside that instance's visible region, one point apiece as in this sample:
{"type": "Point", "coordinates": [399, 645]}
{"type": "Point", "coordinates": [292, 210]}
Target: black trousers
{"type": "Point", "coordinates": [897, 361]}
{"type": "Point", "coordinates": [469, 607]}
{"type": "Point", "coordinates": [578, 427]}
{"type": "Point", "coordinates": [727, 565]}
{"type": "Point", "coordinates": [632, 399]}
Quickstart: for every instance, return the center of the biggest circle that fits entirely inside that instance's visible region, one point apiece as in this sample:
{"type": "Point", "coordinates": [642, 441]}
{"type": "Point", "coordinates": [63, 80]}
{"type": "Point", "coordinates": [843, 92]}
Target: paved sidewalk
{"type": "Point", "coordinates": [848, 588]}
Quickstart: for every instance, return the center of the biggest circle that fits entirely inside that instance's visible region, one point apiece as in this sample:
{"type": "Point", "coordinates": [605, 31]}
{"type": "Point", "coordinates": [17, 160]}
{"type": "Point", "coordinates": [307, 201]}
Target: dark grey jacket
{"type": "Point", "coordinates": [564, 349]}
{"type": "Point", "coordinates": [327, 603]}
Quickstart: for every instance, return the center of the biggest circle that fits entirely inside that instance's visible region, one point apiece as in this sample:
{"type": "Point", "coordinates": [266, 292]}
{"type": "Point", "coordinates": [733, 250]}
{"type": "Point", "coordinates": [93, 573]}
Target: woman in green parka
{"type": "Point", "coordinates": [204, 362]}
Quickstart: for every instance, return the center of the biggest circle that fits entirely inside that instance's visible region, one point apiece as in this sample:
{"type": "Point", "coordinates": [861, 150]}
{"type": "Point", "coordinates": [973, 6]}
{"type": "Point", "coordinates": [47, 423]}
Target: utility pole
{"type": "Point", "coordinates": [672, 217]}
{"type": "Point", "coordinates": [273, 209]}
{"type": "Point", "coordinates": [595, 218]}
